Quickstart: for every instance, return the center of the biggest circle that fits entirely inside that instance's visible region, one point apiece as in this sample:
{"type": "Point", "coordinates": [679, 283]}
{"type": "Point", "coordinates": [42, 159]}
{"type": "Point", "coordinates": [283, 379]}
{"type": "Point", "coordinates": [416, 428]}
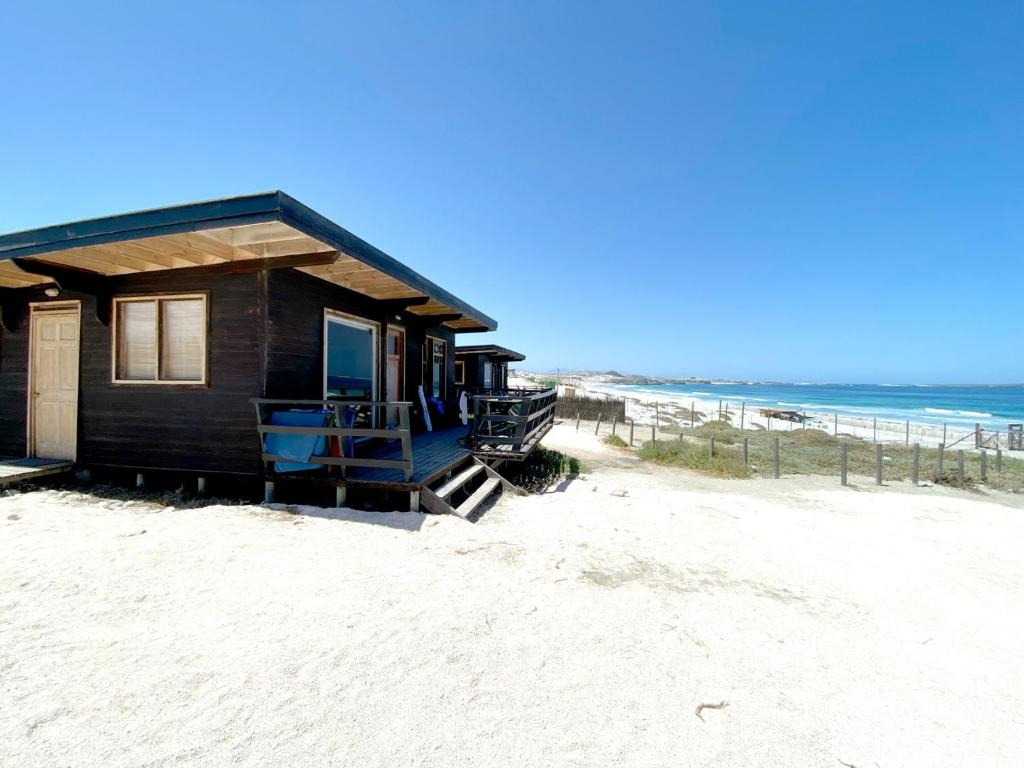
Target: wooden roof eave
{"type": "Point", "coordinates": [235, 212]}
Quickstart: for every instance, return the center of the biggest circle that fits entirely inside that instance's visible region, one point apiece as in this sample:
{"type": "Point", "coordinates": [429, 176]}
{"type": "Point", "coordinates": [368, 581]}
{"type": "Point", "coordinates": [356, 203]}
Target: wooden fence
{"type": "Point", "coordinates": [590, 408]}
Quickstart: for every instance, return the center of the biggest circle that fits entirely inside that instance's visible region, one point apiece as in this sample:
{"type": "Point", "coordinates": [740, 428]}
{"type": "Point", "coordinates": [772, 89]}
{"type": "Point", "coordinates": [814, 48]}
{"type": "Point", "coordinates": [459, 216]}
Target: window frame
{"type": "Point", "coordinates": [460, 373]}
{"type": "Point", "coordinates": [156, 298]}
{"type": "Point", "coordinates": [359, 323]}
{"type": "Point", "coordinates": [429, 368]}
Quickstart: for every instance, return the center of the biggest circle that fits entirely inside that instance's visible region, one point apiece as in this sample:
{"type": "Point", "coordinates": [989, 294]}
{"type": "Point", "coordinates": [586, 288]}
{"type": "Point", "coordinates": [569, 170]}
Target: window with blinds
{"type": "Point", "coordinates": [160, 340]}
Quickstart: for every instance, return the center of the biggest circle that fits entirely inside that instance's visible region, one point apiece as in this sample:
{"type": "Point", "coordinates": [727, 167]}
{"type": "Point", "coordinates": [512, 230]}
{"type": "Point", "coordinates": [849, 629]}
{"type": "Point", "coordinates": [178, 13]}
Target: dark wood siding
{"type": "Point", "coordinates": [295, 325]}
{"type": "Point", "coordinates": [14, 387]}
{"type": "Point", "coordinates": [199, 428]}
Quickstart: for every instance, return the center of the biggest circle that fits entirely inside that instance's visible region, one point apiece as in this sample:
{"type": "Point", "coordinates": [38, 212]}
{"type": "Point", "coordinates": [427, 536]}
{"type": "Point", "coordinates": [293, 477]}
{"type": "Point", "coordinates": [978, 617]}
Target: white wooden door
{"type": "Point", "coordinates": [54, 392]}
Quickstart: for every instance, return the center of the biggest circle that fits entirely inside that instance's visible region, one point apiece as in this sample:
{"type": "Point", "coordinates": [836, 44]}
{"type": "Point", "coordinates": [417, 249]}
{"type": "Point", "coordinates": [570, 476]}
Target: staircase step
{"type": "Point", "coordinates": [469, 506]}
{"type": "Point", "coordinates": [446, 490]}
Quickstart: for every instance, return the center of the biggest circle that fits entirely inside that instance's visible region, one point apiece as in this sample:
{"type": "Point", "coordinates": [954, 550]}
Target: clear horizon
{"type": "Point", "coordinates": [804, 192]}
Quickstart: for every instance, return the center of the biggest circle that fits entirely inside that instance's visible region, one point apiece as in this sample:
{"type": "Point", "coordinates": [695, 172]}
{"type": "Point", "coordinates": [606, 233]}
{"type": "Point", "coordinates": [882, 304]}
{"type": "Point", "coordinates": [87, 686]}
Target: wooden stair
{"type": "Point", "coordinates": [470, 485]}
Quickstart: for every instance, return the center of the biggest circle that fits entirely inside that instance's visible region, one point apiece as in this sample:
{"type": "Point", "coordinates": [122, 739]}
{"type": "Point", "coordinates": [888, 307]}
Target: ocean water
{"type": "Point", "coordinates": [960, 407]}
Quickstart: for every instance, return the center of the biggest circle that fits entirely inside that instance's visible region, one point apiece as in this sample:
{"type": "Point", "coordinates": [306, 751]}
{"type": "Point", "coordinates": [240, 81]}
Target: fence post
{"type": "Point", "coordinates": [878, 463]}
{"type": "Point", "coordinates": [835, 431]}
{"type": "Point", "coordinates": [944, 433]}
{"type": "Point", "coordinates": [657, 415]}
{"type": "Point", "coordinates": [681, 435]}
{"type": "Point", "coordinates": [615, 423]}
{"type": "Point", "coordinates": [577, 421]}
{"type": "Point", "coordinates": [843, 461]}
{"type": "Point", "coordinates": [977, 435]}
{"type": "Point", "coordinates": [803, 421]}
{"type": "Point", "coordinates": [654, 435]}
{"type": "Point", "coordinates": [743, 413]}
{"type": "Point", "coordinates": [915, 468]}
{"type": "Point", "coordinates": [598, 423]}
{"type": "Point", "coordinates": [775, 458]}
{"type": "Point", "coordinates": [630, 433]}
{"type": "Point", "coordinates": [746, 451]}
{"type": "Point", "coordinates": [984, 465]}
{"type": "Point", "coordinates": [999, 458]}
{"type": "Point", "coordinates": [908, 431]}
{"type": "Point", "coordinates": [711, 448]}
{"type": "Point", "coordinates": [938, 462]}
{"type": "Point", "coordinates": [960, 464]}
{"type": "Point", "coordinates": [874, 431]}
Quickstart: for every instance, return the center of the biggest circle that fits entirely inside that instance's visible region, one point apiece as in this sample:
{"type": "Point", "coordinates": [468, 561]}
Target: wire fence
{"type": "Point", "coordinates": [674, 414]}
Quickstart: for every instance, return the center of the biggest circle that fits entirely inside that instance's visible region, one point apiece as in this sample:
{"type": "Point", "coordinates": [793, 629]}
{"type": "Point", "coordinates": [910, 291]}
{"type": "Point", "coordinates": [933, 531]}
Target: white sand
{"type": "Point", "coordinates": [673, 410]}
{"type": "Point", "coordinates": [576, 628]}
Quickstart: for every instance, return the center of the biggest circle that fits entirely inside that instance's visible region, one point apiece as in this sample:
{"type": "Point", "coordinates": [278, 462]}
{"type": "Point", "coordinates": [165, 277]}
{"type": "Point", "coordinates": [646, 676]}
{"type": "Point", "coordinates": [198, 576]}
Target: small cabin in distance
{"type": "Point", "coordinates": [247, 338]}
{"type": "Point", "coordinates": [484, 367]}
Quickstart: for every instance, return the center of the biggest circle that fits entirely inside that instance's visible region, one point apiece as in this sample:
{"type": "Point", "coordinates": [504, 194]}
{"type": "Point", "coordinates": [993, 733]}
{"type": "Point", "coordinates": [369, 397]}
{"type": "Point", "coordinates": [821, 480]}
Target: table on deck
{"type": "Point", "coordinates": [17, 470]}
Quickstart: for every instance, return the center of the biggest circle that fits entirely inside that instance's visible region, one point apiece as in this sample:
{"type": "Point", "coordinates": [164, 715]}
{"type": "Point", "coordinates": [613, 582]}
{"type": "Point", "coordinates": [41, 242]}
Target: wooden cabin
{"type": "Point", "coordinates": [484, 367]}
{"type": "Point", "coordinates": [177, 340]}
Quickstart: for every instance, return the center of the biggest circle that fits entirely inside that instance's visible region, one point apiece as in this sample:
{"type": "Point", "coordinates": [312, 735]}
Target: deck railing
{"type": "Point", "coordinates": [340, 431]}
{"type": "Point", "coordinates": [508, 424]}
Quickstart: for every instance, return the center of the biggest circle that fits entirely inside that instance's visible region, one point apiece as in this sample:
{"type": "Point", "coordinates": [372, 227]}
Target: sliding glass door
{"type": "Point", "coordinates": [350, 358]}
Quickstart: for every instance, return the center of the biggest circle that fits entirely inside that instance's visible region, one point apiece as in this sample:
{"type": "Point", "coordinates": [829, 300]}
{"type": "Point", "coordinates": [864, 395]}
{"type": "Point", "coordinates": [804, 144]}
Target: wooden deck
{"type": "Point", "coordinates": [17, 470]}
{"type": "Point", "coordinates": [433, 454]}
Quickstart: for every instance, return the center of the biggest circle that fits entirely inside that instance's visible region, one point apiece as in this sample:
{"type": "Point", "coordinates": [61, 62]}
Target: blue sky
{"type": "Point", "coordinates": [802, 191]}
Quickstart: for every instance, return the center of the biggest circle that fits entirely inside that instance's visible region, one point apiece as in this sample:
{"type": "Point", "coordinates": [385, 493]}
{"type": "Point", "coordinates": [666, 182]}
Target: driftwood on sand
{"type": "Point", "coordinates": [702, 707]}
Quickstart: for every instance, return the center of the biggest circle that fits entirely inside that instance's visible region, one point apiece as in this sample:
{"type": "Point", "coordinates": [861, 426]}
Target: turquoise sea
{"type": "Point", "coordinates": [960, 407]}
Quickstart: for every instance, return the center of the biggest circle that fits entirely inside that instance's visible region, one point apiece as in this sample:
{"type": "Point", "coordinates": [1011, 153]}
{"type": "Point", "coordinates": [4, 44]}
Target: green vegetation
{"type": "Point", "coordinates": [814, 452]}
{"type": "Point", "coordinates": [543, 468]}
{"type": "Point", "coordinates": [615, 441]}
{"type": "Point", "coordinates": [684, 453]}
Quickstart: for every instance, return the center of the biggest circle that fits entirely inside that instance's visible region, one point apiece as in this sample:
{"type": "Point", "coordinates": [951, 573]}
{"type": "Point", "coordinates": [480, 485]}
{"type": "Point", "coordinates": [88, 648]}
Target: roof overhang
{"type": "Point", "coordinates": [263, 231]}
{"type": "Point", "coordinates": [498, 353]}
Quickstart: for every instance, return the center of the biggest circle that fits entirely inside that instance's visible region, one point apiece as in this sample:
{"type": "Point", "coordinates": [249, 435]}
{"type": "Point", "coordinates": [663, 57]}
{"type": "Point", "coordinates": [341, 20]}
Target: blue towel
{"type": "Point", "coordinates": [298, 448]}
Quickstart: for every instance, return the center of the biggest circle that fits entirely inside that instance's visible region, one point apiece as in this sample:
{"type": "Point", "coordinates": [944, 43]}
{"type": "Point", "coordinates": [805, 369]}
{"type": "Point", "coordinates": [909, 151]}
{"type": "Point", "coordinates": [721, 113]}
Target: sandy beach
{"type": "Point", "coordinates": [579, 627]}
{"type": "Point", "coordinates": [674, 410]}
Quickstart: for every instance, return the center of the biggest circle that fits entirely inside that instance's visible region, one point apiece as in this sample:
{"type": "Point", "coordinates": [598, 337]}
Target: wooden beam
{"type": "Point", "coordinates": [67, 278]}
{"type": "Point", "coordinates": [8, 310]}
{"type": "Point", "coordinates": [397, 305]}
{"type": "Point", "coordinates": [439, 319]}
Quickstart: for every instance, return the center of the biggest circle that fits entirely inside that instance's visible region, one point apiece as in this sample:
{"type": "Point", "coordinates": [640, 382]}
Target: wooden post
{"type": "Point", "coordinates": [915, 467]}
{"type": "Point", "coordinates": [743, 413]}
{"type": "Point", "coordinates": [681, 436]}
{"type": "Point", "coordinates": [878, 463]}
{"type": "Point", "coordinates": [711, 447]}
{"type": "Point", "coordinates": [414, 501]}
{"type": "Point", "coordinates": [999, 458]}
{"type": "Point", "coordinates": [874, 431]}
{"type": "Point", "coordinates": [775, 458]}
{"type": "Point", "coordinates": [803, 420]}
{"type": "Point", "coordinates": [944, 434]}
{"type": "Point", "coordinates": [615, 423]}
{"type": "Point", "coordinates": [769, 422]}
{"type": "Point", "coordinates": [140, 480]}
{"type": "Point", "coordinates": [746, 451]}
{"type": "Point", "coordinates": [631, 433]}
{"type": "Point", "coordinates": [657, 415]}
{"type": "Point", "coordinates": [984, 465]}
{"type": "Point", "coordinates": [960, 465]}
{"type": "Point", "coordinates": [977, 435]}
{"type": "Point", "coordinates": [908, 431]}
{"type": "Point", "coordinates": [719, 410]}
{"type": "Point", "coordinates": [200, 486]}
{"type": "Point", "coordinates": [693, 413]}
{"type": "Point", "coordinates": [340, 495]}
{"type": "Point", "coordinates": [654, 435]}
{"type": "Point", "coordinates": [836, 430]}
{"type": "Point", "coordinates": [268, 492]}
{"type": "Point", "coordinates": [577, 421]}
{"type": "Point", "coordinates": [598, 425]}
{"type": "Point", "coordinates": [938, 462]}
{"type": "Point", "coordinates": [843, 461]}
